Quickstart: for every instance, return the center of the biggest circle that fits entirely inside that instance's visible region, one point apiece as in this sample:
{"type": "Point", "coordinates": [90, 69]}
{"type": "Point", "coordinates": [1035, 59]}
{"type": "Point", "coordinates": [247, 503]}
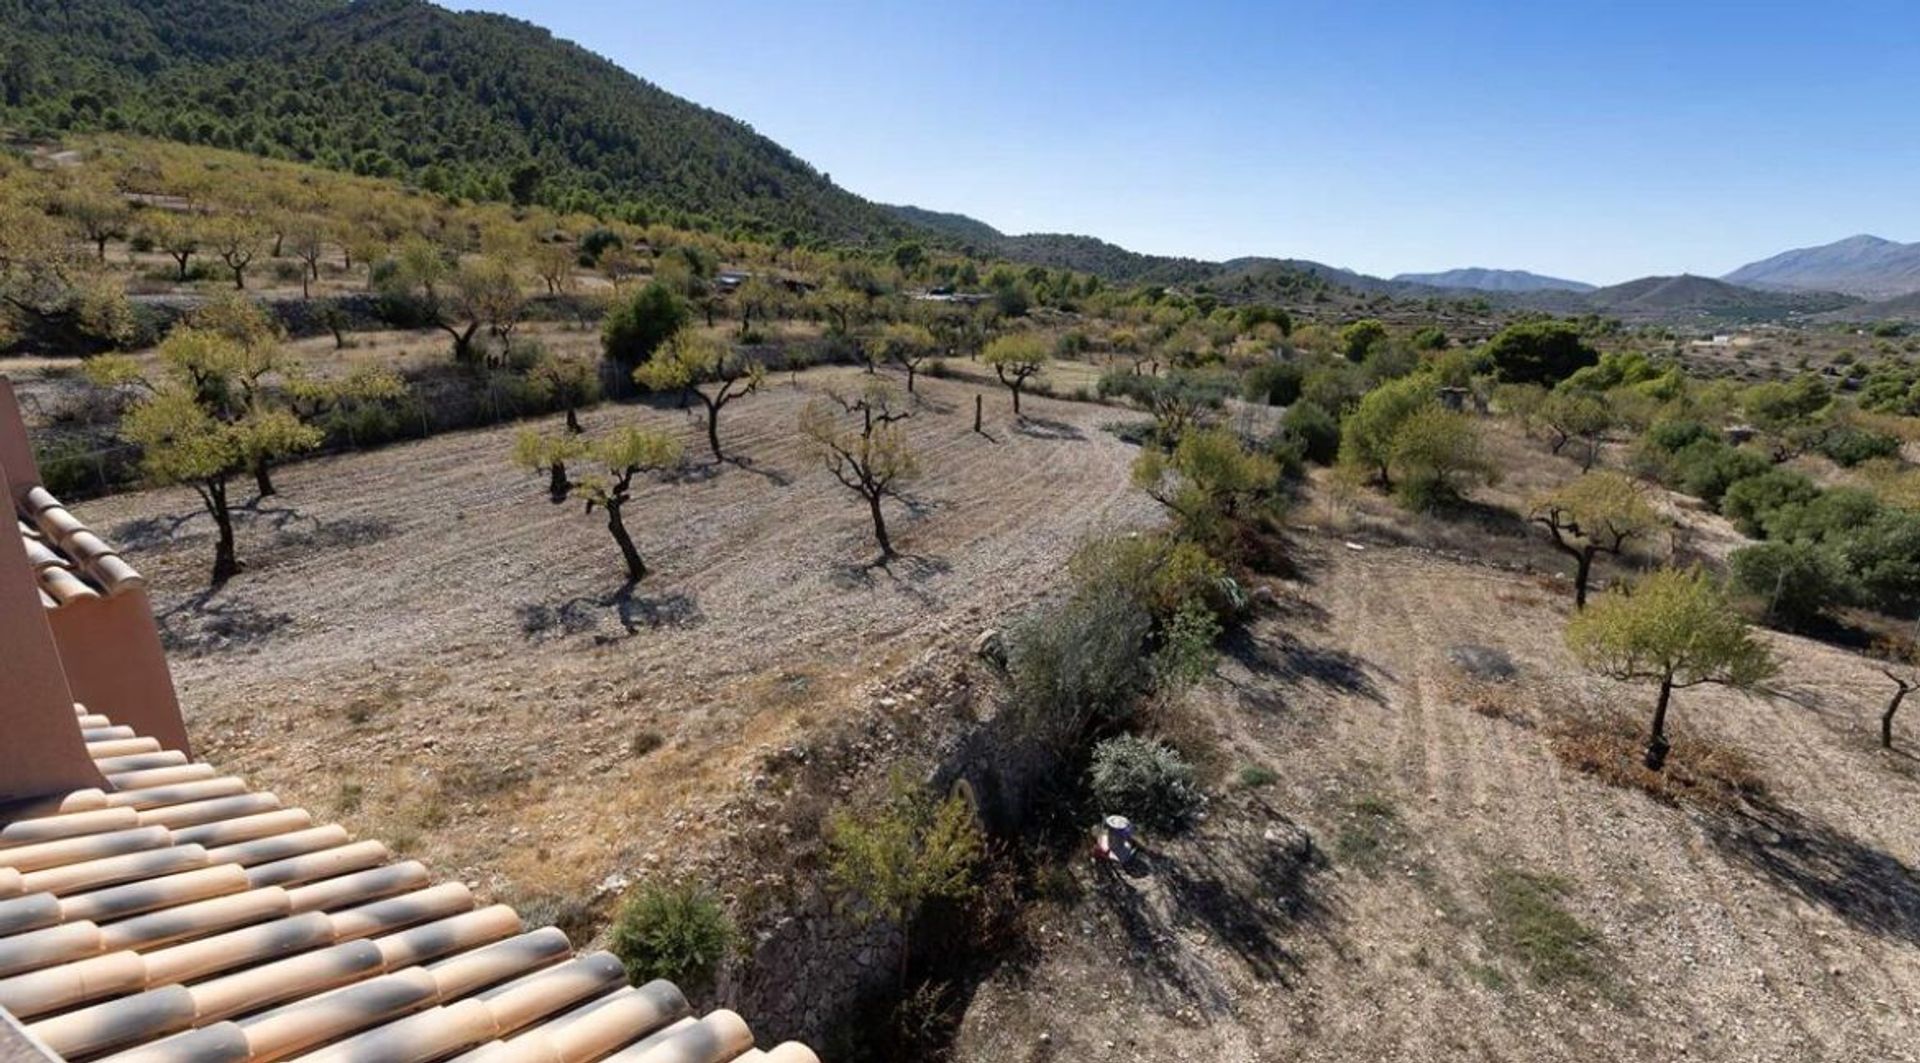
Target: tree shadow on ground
{"type": "Point", "coordinates": [149, 533]}
{"type": "Point", "coordinates": [1041, 428]}
{"type": "Point", "coordinates": [1281, 656]}
{"type": "Point", "coordinates": [1250, 884]}
{"type": "Point", "coordinates": [200, 625]}
{"type": "Point", "coordinates": [772, 476]}
{"type": "Point", "coordinates": [1870, 889]}
{"type": "Point", "coordinates": [906, 573]}
{"type": "Point", "coordinates": [585, 613]}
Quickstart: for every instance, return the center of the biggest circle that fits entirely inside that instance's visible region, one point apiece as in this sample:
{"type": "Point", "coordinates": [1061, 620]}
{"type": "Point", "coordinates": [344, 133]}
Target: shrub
{"type": "Point", "coordinates": [1275, 383]}
{"type": "Point", "coordinates": [1706, 469]}
{"type": "Point", "coordinates": [1670, 437]}
{"type": "Point", "coordinates": [1314, 429]}
{"type": "Point", "coordinates": [1849, 446]}
{"type": "Point", "coordinates": [1079, 663]}
{"type": "Point", "coordinates": [1143, 780]}
{"type": "Point", "coordinates": [1835, 514]}
{"type": "Point", "coordinates": [1186, 654]}
{"type": "Point", "coordinates": [1749, 503]}
{"type": "Point", "coordinates": [1800, 582]}
{"type": "Point", "coordinates": [671, 930]}
{"type": "Point", "coordinates": [1335, 386]}
{"type": "Point", "coordinates": [1165, 574]}
{"type": "Point", "coordinates": [635, 328]}
{"type": "Point", "coordinates": [1884, 556]}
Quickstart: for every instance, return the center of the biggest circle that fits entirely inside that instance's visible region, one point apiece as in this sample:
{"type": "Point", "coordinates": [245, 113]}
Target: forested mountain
{"type": "Point", "coordinates": [1859, 265]}
{"type": "Point", "coordinates": [477, 105]}
{"type": "Point", "coordinates": [1494, 280]}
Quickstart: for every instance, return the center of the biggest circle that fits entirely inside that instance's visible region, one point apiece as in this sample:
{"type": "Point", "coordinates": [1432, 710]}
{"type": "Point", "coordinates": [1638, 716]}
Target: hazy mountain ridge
{"type": "Point", "coordinates": [1868, 266]}
{"type": "Point", "coordinates": [1480, 278]}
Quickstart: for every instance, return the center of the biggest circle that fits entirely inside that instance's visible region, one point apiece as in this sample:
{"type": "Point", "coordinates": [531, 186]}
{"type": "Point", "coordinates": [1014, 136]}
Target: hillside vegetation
{"type": "Point", "coordinates": [475, 105]}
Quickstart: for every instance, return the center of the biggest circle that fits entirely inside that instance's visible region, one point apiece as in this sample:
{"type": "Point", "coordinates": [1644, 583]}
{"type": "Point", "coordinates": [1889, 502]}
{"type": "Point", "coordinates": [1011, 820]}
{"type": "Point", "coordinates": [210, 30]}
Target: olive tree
{"type": "Point", "coordinates": [1675, 628]}
{"type": "Point", "coordinates": [710, 368]}
{"type": "Point", "coordinates": [613, 462]}
{"type": "Point", "coordinates": [197, 425]}
{"type": "Point", "coordinates": [1015, 359]}
{"type": "Point", "coordinates": [865, 447]}
{"type": "Point", "coordinates": [1599, 513]}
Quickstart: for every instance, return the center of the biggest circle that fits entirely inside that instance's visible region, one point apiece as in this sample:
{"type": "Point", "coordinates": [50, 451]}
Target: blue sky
{"type": "Point", "coordinates": [1598, 141]}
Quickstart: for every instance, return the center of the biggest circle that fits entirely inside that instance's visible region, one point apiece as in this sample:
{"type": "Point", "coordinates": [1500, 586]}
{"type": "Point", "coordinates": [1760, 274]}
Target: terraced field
{"type": "Point", "coordinates": [424, 646]}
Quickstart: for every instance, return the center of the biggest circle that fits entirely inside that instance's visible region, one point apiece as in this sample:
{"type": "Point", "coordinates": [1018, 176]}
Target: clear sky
{"type": "Point", "coordinates": [1594, 140]}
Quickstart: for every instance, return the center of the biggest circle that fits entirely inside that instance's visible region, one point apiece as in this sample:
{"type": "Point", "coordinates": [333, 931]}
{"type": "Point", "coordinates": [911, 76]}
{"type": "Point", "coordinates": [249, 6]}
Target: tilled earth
{"type": "Point", "coordinates": [425, 647]}
{"type": "Point", "coordinates": [1784, 929]}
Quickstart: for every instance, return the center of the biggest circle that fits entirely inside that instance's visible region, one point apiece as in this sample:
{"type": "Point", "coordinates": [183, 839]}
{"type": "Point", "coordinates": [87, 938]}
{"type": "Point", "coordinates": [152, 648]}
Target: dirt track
{"type": "Point", "coordinates": [423, 645]}
{"type": "Point", "coordinates": [1789, 932]}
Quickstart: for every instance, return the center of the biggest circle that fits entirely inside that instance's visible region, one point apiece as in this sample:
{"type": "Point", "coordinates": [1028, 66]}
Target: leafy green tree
{"type": "Point", "coordinates": [1209, 482]}
{"type": "Point", "coordinates": [1015, 359]}
{"type": "Point", "coordinates": [1599, 513]}
{"type": "Point", "coordinates": [97, 212]}
{"type": "Point", "coordinates": [178, 236]}
{"type": "Point", "coordinates": [196, 424]}
{"type": "Point", "coordinates": [1800, 581]}
{"type": "Point", "coordinates": [1367, 434]}
{"type": "Point", "coordinates": [1570, 415]}
{"type": "Point", "coordinates": [1361, 338]}
{"type": "Point", "coordinates": [236, 242]}
{"type": "Point", "coordinates": [910, 850]}
{"type": "Point", "coordinates": [905, 344]}
{"type": "Point", "coordinates": [614, 460]}
{"type": "Point", "coordinates": [635, 328]}
{"type": "Point", "coordinates": [707, 367]}
{"type": "Point", "coordinates": [1539, 352]}
{"type": "Point", "coordinates": [871, 456]}
{"type": "Point", "coordinates": [1435, 454]}
{"type": "Point", "coordinates": [1753, 501]}
{"type": "Point", "coordinates": [759, 298]}
{"type": "Point", "coordinates": [1676, 629]}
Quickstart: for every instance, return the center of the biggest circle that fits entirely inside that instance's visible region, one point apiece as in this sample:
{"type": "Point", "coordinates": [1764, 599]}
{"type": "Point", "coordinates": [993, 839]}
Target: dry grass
{"type": "Point", "coordinates": [1699, 771]}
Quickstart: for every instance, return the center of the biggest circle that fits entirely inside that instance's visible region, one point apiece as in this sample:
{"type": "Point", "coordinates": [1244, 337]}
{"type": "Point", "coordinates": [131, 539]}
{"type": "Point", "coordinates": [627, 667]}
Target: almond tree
{"type": "Point", "coordinates": [692, 362]}
{"type": "Point", "coordinates": [614, 461]}
{"type": "Point", "coordinates": [306, 237]}
{"type": "Point", "coordinates": [197, 425]}
{"type": "Point", "coordinates": [906, 345]}
{"type": "Point", "coordinates": [1677, 629]}
{"type": "Point", "coordinates": [871, 458]}
{"type": "Point", "coordinates": [1015, 359]}
{"type": "Point", "coordinates": [1599, 513]}
{"type": "Point", "coordinates": [179, 237]}
{"type": "Point", "coordinates": [1900, 663]}
{"type": "Point", "coordinates": [237, 243]}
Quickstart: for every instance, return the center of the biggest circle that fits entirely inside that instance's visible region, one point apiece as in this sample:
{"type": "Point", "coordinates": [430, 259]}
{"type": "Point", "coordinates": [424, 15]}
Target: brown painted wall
{"type": "Point", "coordinates": [42, 751]}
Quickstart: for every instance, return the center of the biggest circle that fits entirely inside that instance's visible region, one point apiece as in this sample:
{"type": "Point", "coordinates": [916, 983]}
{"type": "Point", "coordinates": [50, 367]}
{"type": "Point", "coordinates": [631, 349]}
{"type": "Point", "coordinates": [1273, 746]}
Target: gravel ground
{"type": "Point", "coordinates": [423, 646]}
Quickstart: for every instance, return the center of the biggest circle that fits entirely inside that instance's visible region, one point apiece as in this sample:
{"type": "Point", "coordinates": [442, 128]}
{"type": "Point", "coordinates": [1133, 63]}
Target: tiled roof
{"type": "Point", "coordinates": [177, 915]}
{"type": "Point", "coordinates": [72, 563]}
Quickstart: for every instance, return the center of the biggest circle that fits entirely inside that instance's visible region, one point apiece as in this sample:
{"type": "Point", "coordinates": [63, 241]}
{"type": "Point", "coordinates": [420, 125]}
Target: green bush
{"type": "Point", "coordinates": [1080, 663]}
{"type": "Point", "coordinates": [1275, 383]}
{"type": "Point", "coordinates": [1751, 502]}
{"type": "Point", "coordinates": [1800, 582]}
{"type": "Point", "coordinates": [636, 327]}
{"type": "Point", "coordinates": [1706, 469]}
{"type": "Point", "coordinates": [1884, 557]}
{"type": "Point", "coordinates": [1315, 429]}
{"type": "Point", "coordinates": [671, 930]}
{"type": "Point", "coordinates": [1143, 780]}
{"type": "Point", "coordinates": [1835, 514]}
{"type": "Point", "coordinates": [1187, 654]}
{"type": "Point", "coordinates": [1849, 446]}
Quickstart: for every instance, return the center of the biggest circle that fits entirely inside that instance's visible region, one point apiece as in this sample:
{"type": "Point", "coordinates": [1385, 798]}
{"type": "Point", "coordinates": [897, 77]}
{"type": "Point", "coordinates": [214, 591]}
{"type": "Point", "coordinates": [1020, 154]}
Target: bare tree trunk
{"type": "Point", "coordinates": [558, 485]}
{"type": "Point", "coordinates": [1583, 570]}
{"type": "Point", "coordinates": [636, 568]}
{"type": "Point", "coordinates": [1886, 718]}
{"type": "Point", "coordinates": [263, 479]}
{"type": "Point", "coordinates": [879, 525]}
{"type": "Point", "coordinates": [977, 401]}
{"type": "Point", "coordinates": [713, 430]}
{"type": "Point", "coordinates": [225, 564]}
{"type": "Point", "coordinates": [1657, 745]}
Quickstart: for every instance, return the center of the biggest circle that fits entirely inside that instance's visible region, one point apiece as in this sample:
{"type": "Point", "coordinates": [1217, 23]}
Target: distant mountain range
{"type": "Point", "coordinates": [1494, 280]}
{"type": "Point", "coordinates": [1867, 266]}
